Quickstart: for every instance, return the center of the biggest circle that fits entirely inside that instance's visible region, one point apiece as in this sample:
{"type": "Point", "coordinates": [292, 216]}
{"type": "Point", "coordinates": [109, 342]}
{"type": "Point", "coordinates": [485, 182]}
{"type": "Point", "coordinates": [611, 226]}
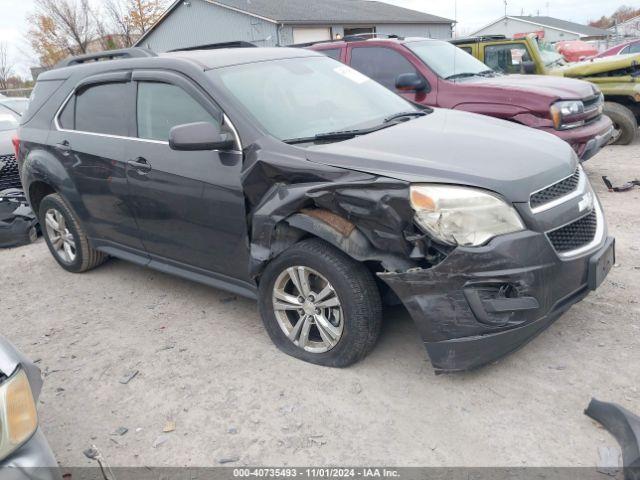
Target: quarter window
{"type": "Point", "coordinates": [162, 106]}
{"type": "Point", "coordinates": [382, 64]}
{"type": "Point", "coordinates": [506, 58]}
{"type": "Point", "coordinates": [102, 109]}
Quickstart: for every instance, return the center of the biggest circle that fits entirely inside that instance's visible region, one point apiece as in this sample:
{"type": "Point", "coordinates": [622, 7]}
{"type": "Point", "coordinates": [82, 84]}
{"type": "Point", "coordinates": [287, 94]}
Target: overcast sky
{"type": "Point", "coordinates": [471, 14]}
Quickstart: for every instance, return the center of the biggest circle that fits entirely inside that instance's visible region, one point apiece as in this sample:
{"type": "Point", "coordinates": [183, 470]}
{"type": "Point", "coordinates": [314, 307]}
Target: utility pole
{"type": "Point", "coordinates": [505, 8]}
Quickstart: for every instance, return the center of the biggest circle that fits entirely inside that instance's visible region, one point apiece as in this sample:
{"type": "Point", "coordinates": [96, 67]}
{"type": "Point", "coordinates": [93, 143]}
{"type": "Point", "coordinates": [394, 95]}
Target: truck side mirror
{"type": "Point", "coordinates": [411, 82]}
{"type": "Point", "coordinates": [528, 67]}
{"type": "Point", "coordinates": [199, 136]}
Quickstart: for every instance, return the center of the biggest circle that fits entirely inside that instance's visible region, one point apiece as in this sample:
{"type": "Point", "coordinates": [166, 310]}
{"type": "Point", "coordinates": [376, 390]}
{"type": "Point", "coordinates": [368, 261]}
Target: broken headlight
{"type": "Point", "coordinates": [462, 216]}
{"type": "Point", "coordinates": [18, 416]}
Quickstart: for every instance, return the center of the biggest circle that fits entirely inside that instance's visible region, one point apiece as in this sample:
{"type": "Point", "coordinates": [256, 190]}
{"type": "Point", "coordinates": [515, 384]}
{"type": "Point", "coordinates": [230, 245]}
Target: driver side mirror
{"type": "Point", "coordinates": [411, 82]}
{"type": "Point", "coordinates": [528, 67]}
{"type": "Point", "coordinates": [199, 136]}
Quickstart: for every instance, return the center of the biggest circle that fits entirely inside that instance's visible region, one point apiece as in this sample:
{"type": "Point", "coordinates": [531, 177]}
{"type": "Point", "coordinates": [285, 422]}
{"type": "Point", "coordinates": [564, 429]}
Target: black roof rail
{"type": "Point", "coordinates": [481, 38]}
{"type": "Point", "coordinates": [134, 52]}
{"type": "Point", "coordinates": [350, 38]}
{"type": "Point", "coordinates": [214, 46]}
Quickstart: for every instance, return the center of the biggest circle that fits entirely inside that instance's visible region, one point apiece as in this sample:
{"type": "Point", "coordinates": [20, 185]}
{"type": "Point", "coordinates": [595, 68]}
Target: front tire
{"type": "Point", "coordinates": [320, 305]}
{"type": "Point", "coordinates": [65, 236]}
{"type": "Point", "coordinates": [624, 122]}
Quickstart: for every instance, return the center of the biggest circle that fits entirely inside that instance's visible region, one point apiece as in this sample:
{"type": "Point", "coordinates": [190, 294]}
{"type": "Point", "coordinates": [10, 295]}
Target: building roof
{"type": "Point", "coordinates": [330, 11]}
{"type": "Point", "coordinates": [565, 25]}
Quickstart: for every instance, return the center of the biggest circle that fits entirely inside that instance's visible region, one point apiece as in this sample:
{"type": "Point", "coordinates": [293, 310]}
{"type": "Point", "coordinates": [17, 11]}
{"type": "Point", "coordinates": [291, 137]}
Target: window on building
{"type": "Point", "coordinates": [506, 58]}
{"type": "Point", "coordinates": [103, 109]}
{"type": "Point", "coordinates": [162, 106]}
{"type": "Point", "coordinates": [382, 64]}
{"type": "Point", "coordinates": [359, 31]}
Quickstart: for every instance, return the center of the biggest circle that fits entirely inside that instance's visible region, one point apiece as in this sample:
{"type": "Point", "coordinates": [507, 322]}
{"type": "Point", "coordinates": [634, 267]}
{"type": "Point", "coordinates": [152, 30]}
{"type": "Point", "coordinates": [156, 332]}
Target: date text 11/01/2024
{"type": "Point", "coordinates": [317, 472]}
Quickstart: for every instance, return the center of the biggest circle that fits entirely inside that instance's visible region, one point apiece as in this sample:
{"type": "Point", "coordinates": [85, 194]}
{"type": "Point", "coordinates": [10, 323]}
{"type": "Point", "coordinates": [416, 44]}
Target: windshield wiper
{"type": "Point", "coordinates": [396, 116]}
{"type": "Point", "coordinates": [487, 73]}
{"type": "Point", "coordinates": [460, 75]}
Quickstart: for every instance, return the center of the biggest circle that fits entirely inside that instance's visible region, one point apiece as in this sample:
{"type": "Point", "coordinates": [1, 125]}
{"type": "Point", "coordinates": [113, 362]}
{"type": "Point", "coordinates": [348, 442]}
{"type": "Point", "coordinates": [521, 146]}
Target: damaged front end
{"type": "Point", "coordinates": [18, 222]}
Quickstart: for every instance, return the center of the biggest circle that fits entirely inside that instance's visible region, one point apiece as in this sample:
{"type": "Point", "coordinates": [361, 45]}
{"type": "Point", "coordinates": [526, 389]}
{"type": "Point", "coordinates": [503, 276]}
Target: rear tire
{"type": "Point", "coordinates": [355, 314]}
{"type": "Point", "coordinates": [624, 122]}
{"type": "Point", "coordinates": [65, 236]}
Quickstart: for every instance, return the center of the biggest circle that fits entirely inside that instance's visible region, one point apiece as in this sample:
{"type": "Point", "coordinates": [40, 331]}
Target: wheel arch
{"type": "Point", "coordinates": [337, 231]}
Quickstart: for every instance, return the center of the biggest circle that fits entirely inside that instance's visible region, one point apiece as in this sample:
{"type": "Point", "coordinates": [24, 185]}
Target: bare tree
{"type": "Point", "coordinates": [61, 28]}
{"type": "Point", "coordinates": [124, 21]}
{"type": "Point", "coordinates": [6, 67]}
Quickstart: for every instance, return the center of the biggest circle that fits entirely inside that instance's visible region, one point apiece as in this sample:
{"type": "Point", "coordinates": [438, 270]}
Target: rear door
{"type": "Point", "coordinates": [88, 141]}
{"type": "Point", "coordinates": [189, 205]}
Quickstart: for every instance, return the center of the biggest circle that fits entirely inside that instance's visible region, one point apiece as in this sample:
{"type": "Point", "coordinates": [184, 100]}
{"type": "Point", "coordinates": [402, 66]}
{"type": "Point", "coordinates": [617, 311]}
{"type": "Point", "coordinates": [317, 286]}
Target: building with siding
{"type": "Point", "coordinates": [188, 23]}
{"type": "Point", "coordinates": [552, 29]}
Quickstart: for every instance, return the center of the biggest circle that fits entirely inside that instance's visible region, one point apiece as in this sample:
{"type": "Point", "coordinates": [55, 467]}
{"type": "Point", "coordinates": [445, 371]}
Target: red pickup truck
{"type": "Point", "coordinates": [438, 74]}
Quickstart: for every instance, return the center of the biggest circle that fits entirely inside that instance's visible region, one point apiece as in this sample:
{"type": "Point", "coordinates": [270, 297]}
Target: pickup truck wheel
{"type": "Point", "coordinates": [65, 237]}
{"type": "Point", "coordinates": [624, 123]}
{"type": "Point", "coordinates": [319, 305]}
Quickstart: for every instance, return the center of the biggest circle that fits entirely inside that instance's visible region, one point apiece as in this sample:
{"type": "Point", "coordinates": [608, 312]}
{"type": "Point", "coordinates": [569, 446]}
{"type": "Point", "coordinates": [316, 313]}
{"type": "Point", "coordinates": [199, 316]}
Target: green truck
{"type": "Point", "coordinates": [618, 77]}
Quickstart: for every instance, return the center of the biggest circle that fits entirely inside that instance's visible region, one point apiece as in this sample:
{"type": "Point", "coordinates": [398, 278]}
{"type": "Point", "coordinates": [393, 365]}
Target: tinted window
{"type": "Point", "coordinates": [332, 53]}
{"type": "Point", "coordinates": [635, 48]}
{"type": "Point", "coordinates": [506, 58]}
{"type": "Point", "coordinates": [162, 106]}
{"type": "Point", "coordinates": [103, 109]}
{"type": "Point", "coordinates": [66, 119]}
{"type": "Point", "coordinates": [382, 64]}
{"type": "Point", "coordinates": [39, 95]}
{"type": "Point", "coordinates": [466, 49]}
{"type": "Point", "coordinates": [625, 50]}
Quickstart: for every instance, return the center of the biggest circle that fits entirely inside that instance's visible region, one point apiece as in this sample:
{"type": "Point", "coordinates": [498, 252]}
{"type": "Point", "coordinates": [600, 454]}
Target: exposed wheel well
{"type": "Point", "coordinates": [37, 191]}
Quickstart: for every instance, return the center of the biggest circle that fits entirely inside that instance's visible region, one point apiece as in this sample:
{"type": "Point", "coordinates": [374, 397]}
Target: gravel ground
{"type": "Point", "coordinates": [205, 363]}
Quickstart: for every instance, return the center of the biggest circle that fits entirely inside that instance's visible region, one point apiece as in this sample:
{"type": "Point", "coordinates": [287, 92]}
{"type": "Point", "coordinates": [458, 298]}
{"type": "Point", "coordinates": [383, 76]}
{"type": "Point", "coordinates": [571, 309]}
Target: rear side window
{"type": "Point", "coordinates": [39, 95]}
{"type": "Point", "coordinates": [162, 106]}
{"type": "Point", "coordinates": [382, 64]}
{"type": "Point", "coordinates": [103, 109]}
{"type": "Point", "coordinates": [332, 53]}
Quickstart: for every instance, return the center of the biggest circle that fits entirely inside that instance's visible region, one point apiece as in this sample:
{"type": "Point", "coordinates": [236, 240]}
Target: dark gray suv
{"type": "Point", "coordinates": [285, 176]}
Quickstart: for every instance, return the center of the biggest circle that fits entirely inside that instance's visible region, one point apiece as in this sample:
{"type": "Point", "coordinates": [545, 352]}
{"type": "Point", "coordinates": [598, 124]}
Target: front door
{"type": "Point", "coordinates": [189, 205]}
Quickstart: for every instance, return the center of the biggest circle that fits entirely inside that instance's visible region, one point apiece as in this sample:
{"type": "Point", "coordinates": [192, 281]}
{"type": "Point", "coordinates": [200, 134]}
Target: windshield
{"type": "Point", "coordinates": [549, 55]}
{"type": "Point", "coordinates": [7, 122]}
{"type": "Point", "coordinates": [303, 97]}
{"type": "Point", "coordinates": [447, 60]}
{"type": "Point", "coordinates": [18, 105]}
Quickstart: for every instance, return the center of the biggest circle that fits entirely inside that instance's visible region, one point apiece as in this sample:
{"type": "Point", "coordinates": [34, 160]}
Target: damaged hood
{"type": "Point", "coordinates": [457, 147]}
{"type": "Point", "coordinates": [551, 87]}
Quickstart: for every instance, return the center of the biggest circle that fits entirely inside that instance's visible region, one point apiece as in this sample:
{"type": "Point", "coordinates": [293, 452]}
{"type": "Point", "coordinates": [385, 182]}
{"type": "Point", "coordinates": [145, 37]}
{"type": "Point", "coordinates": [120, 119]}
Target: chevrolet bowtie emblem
{"type": "Point", "coordinates": [586, 203]}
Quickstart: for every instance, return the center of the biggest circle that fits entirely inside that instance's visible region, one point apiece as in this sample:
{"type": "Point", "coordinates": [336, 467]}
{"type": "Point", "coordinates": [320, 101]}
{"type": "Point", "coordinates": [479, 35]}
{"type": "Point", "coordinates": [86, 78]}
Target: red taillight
{"type": "Point", "coordinates": [16, 145]}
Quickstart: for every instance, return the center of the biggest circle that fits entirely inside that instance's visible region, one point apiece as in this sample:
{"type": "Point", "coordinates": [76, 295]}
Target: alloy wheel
{"type": "Point", "coordinates": [62, 241]}
{"type": "Point", "coordinates": [308, 309]}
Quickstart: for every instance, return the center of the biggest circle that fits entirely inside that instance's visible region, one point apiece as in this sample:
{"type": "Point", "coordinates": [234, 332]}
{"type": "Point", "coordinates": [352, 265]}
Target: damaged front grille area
{"type": "Point", "coordinates": [575, 235]}
{"type": "Point", "coordinates": [9, 175]}
{"type": "Point", "coordinates": [555, 191]}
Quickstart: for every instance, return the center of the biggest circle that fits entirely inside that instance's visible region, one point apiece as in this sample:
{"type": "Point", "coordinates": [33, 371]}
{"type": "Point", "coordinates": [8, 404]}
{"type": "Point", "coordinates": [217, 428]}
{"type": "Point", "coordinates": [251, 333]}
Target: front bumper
{"type": "Point", "coordinates": [587, 140]}
{"type": "Point", "coordinates": [32, 461]}
{"type": "Point", "coordinates": [480, 304]}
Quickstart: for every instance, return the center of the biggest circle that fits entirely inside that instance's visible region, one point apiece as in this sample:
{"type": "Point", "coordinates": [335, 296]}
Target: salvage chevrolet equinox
{"type": "Point", "coordinates": [286, 176]}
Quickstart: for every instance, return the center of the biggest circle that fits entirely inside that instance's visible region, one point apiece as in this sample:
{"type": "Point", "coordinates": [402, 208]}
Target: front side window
{"type": "Point", "coordinates": [384, 65]}
{"type": "Point", "coordinates": [506, 58]}
{"type": "Point", "coordinates": [302, 97]}
{"type": "Point", "coordinates": [447, 60]}
{"type": "Point", "coordinates": [103, 109]}
{"type": "Point", "coordinates": [162, 106]}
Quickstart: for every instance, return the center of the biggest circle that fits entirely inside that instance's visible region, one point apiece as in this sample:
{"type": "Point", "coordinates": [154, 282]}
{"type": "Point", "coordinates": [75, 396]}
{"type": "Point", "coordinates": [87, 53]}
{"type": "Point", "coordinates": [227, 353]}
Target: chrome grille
{"type": "Point", "coordinates": [575, 235]}
{"type": "Point", "coordinates": [555, 191]}
{"type": "Point", "coordinates": [593, 108]}
{"type": "Point", "coordinates": [9, 176]}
